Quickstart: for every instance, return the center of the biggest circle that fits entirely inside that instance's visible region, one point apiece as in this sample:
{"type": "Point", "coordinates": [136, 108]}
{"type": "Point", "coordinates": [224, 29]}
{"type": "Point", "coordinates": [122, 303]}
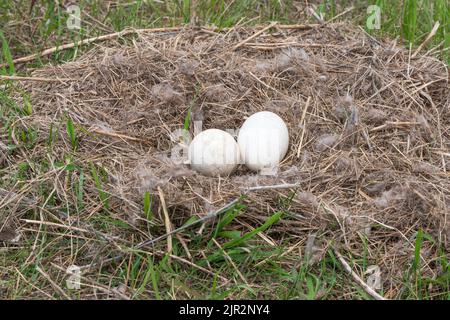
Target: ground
{"type": "Point", "coordinates": [54, 170]}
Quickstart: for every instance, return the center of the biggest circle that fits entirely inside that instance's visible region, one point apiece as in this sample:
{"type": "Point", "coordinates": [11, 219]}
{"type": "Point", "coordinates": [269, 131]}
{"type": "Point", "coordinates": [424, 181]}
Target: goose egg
{"type": "Point", "coordinates": [263, 140]}
{"type": "Point", "coordinates": [213, 152]}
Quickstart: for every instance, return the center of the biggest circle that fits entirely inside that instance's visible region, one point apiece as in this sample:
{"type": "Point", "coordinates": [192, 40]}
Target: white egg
{"type": "Point", "coordinates": [263, 140]}
{"type": "Point", "coordinates": [214, 152]}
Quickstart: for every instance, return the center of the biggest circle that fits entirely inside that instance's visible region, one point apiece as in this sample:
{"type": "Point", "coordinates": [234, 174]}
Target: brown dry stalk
{"type": "Point", "coordinates": [253, 36]}
{"type": "Point", "coordinates": [88, 41]}
{"type": "Point", "coordinates": [134, 31]}
{"type": "Point", "coordinates": [18, 78]}
{"type": "Point", "coordinates": [303, 124]}
{"type": "Point", "coordinates": [117, 135]}
{"type": "Point", "coordinates": [227, 256]}
{"type": "Point", "coordinates": [53, 224]}
{"type": "Point", "coordinates": [358, 280]}
{"type": "Point", "coordinates": [53, 283]}
{"type": "Point", "coordinates": [428, 38]}
{"type": "Point", "coordinates": [198, 267]}
{"type": "Point", "coordinates": [339, 15]}
{"type": "Point", "coordinates": [167, 222]}
{"type": "Point", "coordinates": [49, 296]}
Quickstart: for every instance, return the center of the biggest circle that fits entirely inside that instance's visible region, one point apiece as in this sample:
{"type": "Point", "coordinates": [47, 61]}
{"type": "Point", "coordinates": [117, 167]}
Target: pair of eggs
{"type": "Point", "coordinates": [262, 143]}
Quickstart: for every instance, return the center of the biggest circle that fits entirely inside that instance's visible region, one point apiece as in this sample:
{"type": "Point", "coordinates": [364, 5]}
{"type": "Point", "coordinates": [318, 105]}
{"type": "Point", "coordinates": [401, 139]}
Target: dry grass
{"type": "Point", "coordinates": [369, 156]}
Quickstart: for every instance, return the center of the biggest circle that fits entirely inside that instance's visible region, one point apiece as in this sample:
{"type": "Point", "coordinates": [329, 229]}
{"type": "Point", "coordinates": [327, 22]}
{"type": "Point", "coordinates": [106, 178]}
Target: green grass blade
{"type": "Point", "coordinates": [416, 262]}
{"type": "Point", "coordinates": [7, 55]}
{"type": "Point", "coordinates": [187, 120]}
{"type": "Point", "coordinates": [273, 219]}
{"type": "Point", "coordinates": [148, 206]}
{"type": "Point", "coordinates": [150, 275]}
{"type": "Point", "coordinates": [98, 183]}
{"type": "Point", "coordinates": [227, 218]}
{"type": "Point", "coordinates": [409, 21]}
{"type": "Point", "coordinates": [71, 132]}
{"type": "Point", "coordinates": [80, 190]}
{"type": "Point", "coordinates": [187, 11]}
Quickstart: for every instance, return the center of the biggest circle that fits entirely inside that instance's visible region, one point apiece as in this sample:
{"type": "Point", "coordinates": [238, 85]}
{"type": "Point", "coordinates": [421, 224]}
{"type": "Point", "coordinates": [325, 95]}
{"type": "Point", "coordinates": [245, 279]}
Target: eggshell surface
{"type": "Point", "coordinates": [214, 152]}
{"type": "Point", "coordinates": [263, 140]}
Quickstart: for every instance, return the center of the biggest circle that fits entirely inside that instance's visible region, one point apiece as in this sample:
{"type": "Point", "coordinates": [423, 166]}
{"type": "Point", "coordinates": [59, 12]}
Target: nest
{"type": "Point", "coordinates": [369, 134]}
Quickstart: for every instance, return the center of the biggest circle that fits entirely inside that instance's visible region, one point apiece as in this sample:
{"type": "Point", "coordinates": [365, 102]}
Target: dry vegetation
{"type": "Point", "coordinates": [368, 159]}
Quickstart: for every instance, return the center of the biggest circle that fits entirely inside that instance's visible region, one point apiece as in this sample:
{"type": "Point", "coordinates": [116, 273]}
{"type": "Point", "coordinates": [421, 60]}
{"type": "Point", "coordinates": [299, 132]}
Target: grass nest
{"type": "Point", "coordinates": [367, 166]}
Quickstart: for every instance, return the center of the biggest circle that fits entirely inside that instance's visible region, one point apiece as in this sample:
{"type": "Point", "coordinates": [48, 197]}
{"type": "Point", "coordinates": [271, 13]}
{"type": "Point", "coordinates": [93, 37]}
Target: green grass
{"type": "Point", "coordinates": [72, 134]}
{"type": "Point", "coordinates": [259, 264]}
{"type": "Point", "coordinates": [412, 21]}
{"type": "Point", "coordinates": [7, 56]}
{"type": "Point", "coordinates": [98, 179]}
{"type": "Point", "coordinates": [271, 272]}
{"type": "Point", "coordinates": [147, 206]}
